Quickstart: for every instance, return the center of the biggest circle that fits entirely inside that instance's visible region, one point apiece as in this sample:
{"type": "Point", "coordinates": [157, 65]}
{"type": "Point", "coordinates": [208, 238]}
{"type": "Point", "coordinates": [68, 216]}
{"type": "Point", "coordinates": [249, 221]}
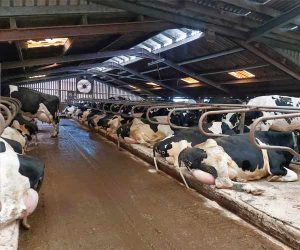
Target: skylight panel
{"type": "Point", "coordinates": [46, 43]}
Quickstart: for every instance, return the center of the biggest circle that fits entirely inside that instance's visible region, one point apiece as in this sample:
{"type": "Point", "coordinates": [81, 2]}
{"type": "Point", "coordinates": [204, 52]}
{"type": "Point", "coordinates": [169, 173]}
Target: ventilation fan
{"type": "Point", "coordinates": [84, 86]}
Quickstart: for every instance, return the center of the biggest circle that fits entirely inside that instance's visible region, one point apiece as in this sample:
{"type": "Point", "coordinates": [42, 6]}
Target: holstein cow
{"type": "Point", "coordinates": [15, 135]}
{"type": "Point", "coordinates": [16, 146]}
{"type": "Point", "coordinates": [27, 127]}
{"type": "Point", "coordinates": [18, 198]}
{"type": "Point", "coordinates": [35, 104]}
{"type": "Point", "coordinates": [223, 161]}
{"type": "Point", "coordinates": [288, 124]}
{"type": "Point", "coordinates": [69, 110]}
{"type": "Point", "coordinates": [171, 146]}
{"type": "Point", "coordinates": [145, 134]}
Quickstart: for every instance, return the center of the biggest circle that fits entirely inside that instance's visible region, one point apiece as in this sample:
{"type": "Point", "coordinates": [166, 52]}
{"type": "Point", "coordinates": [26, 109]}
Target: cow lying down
{"type": "Point", "coordinates": [229, 162]}
{"type": "Point", "coordinates": [170, 147]}
{"type": "Point", "coordinates": [142, 132]}
{"type": "Point", "coordinates": [18, 199]}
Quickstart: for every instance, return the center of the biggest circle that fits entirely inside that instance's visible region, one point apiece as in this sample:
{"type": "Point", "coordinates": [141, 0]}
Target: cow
{"type": "Point", "coordinates": [15, 135]}
{"type": "Point", "coordinates": [16, 146]}
{"type": "Point", "coordinates": [288, 124]}
{"type": "Point", "coordinates": [35, 104]}
{"type": "Point", "coordinates": [28, 127]}
{"type": "Point", "coordinates": [18, 197]}
{"type": "Point", "coordinates": [171, 146]}
{"type": "Point", "coordinates": [229, 162]}
{"type": "Point", "coordinates": [69, 110]}
{"type": "Point", "coordinates": [146, 134]}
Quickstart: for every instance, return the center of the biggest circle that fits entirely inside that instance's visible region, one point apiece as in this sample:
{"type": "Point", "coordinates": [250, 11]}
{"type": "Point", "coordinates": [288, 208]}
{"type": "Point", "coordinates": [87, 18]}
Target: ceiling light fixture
{"type": "Point", "coordinates": [189, 80]}
{"type": "Point", "coordinates": [294, 27]}
{"type": "Point", "coordinates": [156, 88]}
{"type": "Point", "coordinates": [152, 84]}
{"type": "Point", "coordinates": [37, 76]}
{"type": "Point", "coordinates": [46, 43]}
{"type": "Point", "coordinates": [241, 74]}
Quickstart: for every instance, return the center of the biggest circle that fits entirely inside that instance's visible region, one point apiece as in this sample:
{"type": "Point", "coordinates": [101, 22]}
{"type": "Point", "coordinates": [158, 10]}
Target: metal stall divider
{"type": "Point", "coordinates": [167, 106]}
{"type": "Point", "coordinates": [274, 117]}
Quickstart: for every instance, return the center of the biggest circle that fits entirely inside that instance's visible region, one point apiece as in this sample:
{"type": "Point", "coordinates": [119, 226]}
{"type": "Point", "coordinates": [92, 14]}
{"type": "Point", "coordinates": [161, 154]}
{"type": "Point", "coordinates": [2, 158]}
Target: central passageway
{"type": "Point", "coordinates": [96, 197]}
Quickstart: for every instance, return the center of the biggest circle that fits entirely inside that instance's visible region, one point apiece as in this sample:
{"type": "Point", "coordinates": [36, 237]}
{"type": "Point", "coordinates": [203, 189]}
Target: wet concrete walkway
{"type": "Point", "coordinates": [96, 197]}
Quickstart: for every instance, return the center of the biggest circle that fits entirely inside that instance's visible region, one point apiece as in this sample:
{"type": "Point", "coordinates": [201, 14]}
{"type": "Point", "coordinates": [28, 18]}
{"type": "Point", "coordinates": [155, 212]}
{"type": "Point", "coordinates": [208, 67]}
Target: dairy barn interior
{"type": "Point", "coordinates": [149, 124]}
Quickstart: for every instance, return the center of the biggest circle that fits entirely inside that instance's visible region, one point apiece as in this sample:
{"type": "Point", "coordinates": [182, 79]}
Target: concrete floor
{"type": "Point", "coordinates": [96, 197]}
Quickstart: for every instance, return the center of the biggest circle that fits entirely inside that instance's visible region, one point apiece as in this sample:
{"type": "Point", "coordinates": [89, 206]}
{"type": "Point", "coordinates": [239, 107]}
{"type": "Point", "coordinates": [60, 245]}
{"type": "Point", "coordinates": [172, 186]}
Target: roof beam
{"type": "Point", "coordinates": [71, 58]}
{"type": "Point", "coordinates": [187, 72]}
{"type": "Point", "coordinates": [46, 78]}
{"type": "Point", "coordinates": [269, 59]}
{"type": "Point", "coordinates": [279, 44]}
{"type": "Point", "coordinates": [274, 23]}
{"type": "Point", "coordinates": [20, 34]}
{"type": "Point", "coordinates": [87, 66]}
{"type": "Point", "coordinates": [147, 78]}
{"type": "Point", "coordinates": [57, 10]}
{"type": "Point", "coordinates": [262, 9]}
{"type": "Point", "coordinates": [171, 17]}
{"type": "Point", "coordinates": [13, 25]}
{"type": "Point", "coordinates": [199, 59]}
{"type": "Point", "coordinates": [245, 81]}
{"type": "Point", "coordinates": [120, 82]}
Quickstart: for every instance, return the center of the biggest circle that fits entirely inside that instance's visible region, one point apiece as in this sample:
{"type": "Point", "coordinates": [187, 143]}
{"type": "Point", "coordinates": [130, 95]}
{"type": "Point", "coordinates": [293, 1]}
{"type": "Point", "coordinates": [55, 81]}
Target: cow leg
{"type": "Point", "coordinates": [36, 139]}
{"type": "Point", "coordinates": [130, 140]}
{"type": "Point", "coordinates": [43, 113]}
{"type": "Point", "coordinates": [243, 187]}
{"type": "Point", "coordinates": [289, 175]}
{"type": "Point", "coordinates": [223, 181]}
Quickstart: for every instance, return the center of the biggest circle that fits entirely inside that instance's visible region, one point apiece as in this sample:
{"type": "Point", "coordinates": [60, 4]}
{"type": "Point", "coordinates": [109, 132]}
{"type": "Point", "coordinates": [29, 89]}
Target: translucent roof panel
{"type": "Point", "coordinates": [163, 41]}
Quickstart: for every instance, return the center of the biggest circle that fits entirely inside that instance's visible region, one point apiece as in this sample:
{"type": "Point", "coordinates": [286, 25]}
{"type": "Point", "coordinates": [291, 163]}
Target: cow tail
{"type": "Point", "coordinates": [154, 157]}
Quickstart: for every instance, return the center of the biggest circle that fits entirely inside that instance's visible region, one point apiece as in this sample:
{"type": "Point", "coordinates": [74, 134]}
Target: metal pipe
{"type": "Point", "coordinates": [274, 117]}
{"type": "Point", "coordinates": [172, 125]}
{"type": "Point", "coordinates": [12, 106]}
{"type": "Point", "coordinates": [8, 113]}
{"type": "Point", "coordinates": [204, 116]}
{"type": "Point", "coordinates": [2, 123]}
{"type": "Point", "coordinates": [160, 107]}
{"type": "Point", "coordinates": [253, 106]}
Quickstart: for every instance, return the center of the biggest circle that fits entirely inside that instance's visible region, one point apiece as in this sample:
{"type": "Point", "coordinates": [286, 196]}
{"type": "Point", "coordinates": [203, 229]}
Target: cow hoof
{"type": "Point", "coordinates": [273, 178]}
{"type": "Point", "coordinates": [256, 191]}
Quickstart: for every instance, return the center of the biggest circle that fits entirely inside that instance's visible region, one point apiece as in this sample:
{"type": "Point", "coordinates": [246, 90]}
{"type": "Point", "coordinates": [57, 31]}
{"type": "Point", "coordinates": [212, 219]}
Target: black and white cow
{"type": "Point", "coordinates": [230, 161]}
{"type": "Point", "coordinates": [35, 104]}
{"type": "Point", "coordinates": [27, 127]}
{"type": "Point", "coordinates": [14, 135]}
{"type": "Point", "coordinates": [289, 124]}
{"type": "Point", "coordinates": [21, 177]}
{"type": "Point", "coordinates": [171, 146]}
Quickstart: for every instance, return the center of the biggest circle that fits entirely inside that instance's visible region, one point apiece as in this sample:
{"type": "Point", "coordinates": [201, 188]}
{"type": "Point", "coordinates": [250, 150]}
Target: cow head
{"type": "Point", "coordinates": [22, 128]}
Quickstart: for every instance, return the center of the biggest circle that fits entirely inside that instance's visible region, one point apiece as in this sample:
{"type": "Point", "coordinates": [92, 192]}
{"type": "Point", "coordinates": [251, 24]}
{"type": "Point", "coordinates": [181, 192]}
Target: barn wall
{"type": "Point", "coordinates": [61, 88]}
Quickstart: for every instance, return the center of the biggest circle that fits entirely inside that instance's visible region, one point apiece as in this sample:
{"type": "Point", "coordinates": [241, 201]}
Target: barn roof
{"type": "Point", "coordinates": [132, 43]}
